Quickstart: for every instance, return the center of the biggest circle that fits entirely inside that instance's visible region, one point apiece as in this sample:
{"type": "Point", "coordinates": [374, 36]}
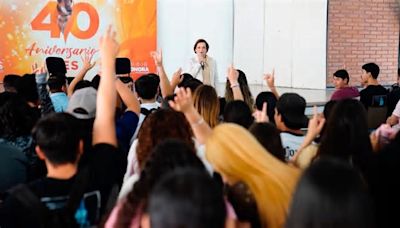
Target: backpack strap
{"type": "Point", "coordinates": [146, 112]}
{"type": "Point", "coordinates": [30, 201]}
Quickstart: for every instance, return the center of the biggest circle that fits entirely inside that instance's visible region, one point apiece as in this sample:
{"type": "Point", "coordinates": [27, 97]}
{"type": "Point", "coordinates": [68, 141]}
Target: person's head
{"type": "Point", "coordinates": [289, 112]}
{"type": "Point", "coordinates": [189, 82]}
{"type": "Point", "coordinates": [14, 118]}
{"type": "Point", "coordinates": [167, 156]}
{"type": "Point", "coordinates": [238, 112]}
{"type": "Point", "coordinates": [341, 79]}
{"type": "Point", "coordinates": [206, 102]}
{"type": "Point", "coordinates": [271, 100]}
{"type": "Point", "coordinates": [244, 88]}
{"type": "Point", "coordinates": [238, 156]}
{"type": "Point", "coordinates": [56, 84]}
{"type": "Point", "coordinates": [146, 86]}
{"type": "Point", "coordinates": [330, 193]}
{"type": "Point", "coordinates": [268, 136]}
{"type": "Point", "coordinates": [27, 89]}
{"type": "Point", "coordinates": [57, 140]}
{"type": "Point", "coordinates": [186, 198]}
{"type": "Point", "coordinates": [201, 47]}
{"type": "Point", "coordinates": [346, 133]}
{"type": "Point", "coordinates": [82, 103]}
{"type": "Point", "coordinates": [10, 82]}
{"type": "Point", "coordinates": [159, 125]}
{"type": "Point", "coordinates": [369, 71]}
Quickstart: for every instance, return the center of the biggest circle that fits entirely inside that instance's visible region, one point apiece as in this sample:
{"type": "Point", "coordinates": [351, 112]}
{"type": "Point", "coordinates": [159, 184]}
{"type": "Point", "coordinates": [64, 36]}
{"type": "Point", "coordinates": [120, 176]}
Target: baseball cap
{"type": "Point", "coordinates": [82, 103]}
{"type": "Point", "coordinates": [292, 106]}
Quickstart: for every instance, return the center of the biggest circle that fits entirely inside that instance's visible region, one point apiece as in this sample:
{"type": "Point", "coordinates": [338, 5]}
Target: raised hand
{"type": "Point", "coordinates": [233, 75]}
{"type": "Point", "coordinates": [157, 57]}
{"type": "Point", "coordinates": [270, 79]}
{"type": "Point", "coordinates": [176, 77]}
{"type": "Point", "coordinates": [183, 101]}
{"type": "Point", "coordinates": [109, 47]}
{"type": "Point", "coordinates": [87, 61]}
{"type": "Point", "coordinates": [261, 116]}
{"type": "Point", "coordinates": [315, 124]}
{"type": "Point", "coordinates": [36, 69]}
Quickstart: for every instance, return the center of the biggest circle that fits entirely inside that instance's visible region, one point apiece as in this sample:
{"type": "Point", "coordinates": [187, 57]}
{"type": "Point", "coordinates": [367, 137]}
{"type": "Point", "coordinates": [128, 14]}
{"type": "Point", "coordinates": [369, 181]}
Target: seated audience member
{"type": "Point", "coordinates": [238, 112]}
{"type": "Point", "coordinates": [369, 77]}
{"type": "Point", "coordinates": [166, 156]}
{"type": "Point", "coordinates": [146, 88]}
{"type": "Point", "coordinates": [330, 193]}
{"type": "Point", "coordinates": [395, 117]}
{"type": "Point", "coordinates": [343, 90]}
{"type": "Point", "coordinates": [158, 126]}
{"type": "Point", "coordinates": [289, 119]}
{"type": "Point", "coordinates": [10, 82]}
{"type": "Point", "coordinates": [15, 131]}
{"type": "Point", "coordinates": [207, 104]}
{"type": "Point", "coordinates": [186, 198]}
{"type": "Point", "coordinates": [58, 89]}
{"type": "Point", "coordinates": [268, 136]}
{"type": "Point", "coordinates": [60, 146]}
{"type": "Point", "coordinates": [346, 135]}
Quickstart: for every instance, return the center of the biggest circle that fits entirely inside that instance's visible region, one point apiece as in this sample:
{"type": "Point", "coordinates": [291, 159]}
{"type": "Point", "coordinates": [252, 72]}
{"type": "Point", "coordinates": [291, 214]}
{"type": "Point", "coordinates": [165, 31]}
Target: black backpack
{"type": "Point", "coordinates": [63, 217]}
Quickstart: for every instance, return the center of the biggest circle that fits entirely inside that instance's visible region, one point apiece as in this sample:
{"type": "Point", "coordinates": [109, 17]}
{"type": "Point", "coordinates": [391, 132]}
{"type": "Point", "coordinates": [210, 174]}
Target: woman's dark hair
{"type": "Point", "coordinates": [159, 125]}
{"type": "Point", "coordinates": [14, 116]}
{"type": "Point", "coordinates": [238, 112]}
{"type": "Point", "coordinates": [330, 193]}
{"type": "Point", "coordinates": [187, 198]}
{"type": "Point", "coordinates": [268, 136]}
{"type": "Point", "coordinates": [166, 156]}
{"type": "Point", "coordinates": [244, 87]}
{"type": "Point", "coordinates": [270, 98]}
{"type": "Point", "coordinates": [200, 41]}
{"type": "Point", "coordinates": [189, 82]}
{"type": "Point", "coordinates": [346, 134]}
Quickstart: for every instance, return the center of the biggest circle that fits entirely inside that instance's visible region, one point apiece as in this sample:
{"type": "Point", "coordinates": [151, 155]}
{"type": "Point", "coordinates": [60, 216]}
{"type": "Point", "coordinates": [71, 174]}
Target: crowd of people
{"type": "Point", "coordinates": [168, 152]}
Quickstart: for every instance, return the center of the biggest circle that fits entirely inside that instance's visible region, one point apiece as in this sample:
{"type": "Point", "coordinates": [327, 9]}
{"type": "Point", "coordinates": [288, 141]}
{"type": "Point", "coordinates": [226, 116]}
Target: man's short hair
{"type": "Point", "coordinates": [10, 82]}
{"type": "Point", "coordinates": [55, 83]}
{"type": "Point", "coordinates": [187, 198]}
{"type": "Point", "coordinates": [56, 136]}
{"type": "Point", "coordinates": [292, 106]}
{"type": "Point", "coordinates": [147, 86]}
{"type": "Point", "coordinates": [342, 74]}
{"type": "Point", "coordinates": [371, 68]}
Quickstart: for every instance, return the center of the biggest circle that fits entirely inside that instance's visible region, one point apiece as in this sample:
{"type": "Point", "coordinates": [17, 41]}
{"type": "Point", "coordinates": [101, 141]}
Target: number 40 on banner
{"type": "Point", "coordinates": [71, 26]}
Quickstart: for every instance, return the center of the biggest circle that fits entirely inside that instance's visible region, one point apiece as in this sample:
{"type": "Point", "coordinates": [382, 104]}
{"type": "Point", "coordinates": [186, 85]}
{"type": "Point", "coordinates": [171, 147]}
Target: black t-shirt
{"type": "Point", "coordinates": [368, 93]}
{"type": "Point", "coordinates": [105, 171]}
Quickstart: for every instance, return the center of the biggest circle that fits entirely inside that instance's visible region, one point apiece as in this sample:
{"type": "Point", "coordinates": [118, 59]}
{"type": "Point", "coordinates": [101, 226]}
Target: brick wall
{"type": "Point", "coordinates": [361, 31]}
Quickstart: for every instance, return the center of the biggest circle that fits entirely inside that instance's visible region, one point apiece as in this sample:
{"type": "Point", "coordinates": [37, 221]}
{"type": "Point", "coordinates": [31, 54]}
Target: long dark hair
{"type": "Point", "coordinates": [331, 193]}
{"type": "Point", "coordinates": [244, 87]}
{"type": "Point", "coordinates": [166, 156]}
{"type": "Point", "coordinates": [346, 135]}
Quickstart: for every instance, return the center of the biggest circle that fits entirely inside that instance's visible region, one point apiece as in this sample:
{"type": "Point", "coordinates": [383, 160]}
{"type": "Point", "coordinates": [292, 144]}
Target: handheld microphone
{"type": "Point", "coordinates": [202, 65]}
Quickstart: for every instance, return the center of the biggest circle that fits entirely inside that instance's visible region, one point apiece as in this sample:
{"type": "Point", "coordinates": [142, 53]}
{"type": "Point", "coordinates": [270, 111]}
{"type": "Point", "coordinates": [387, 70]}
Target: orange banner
{"type": "Point", "coordinates": [33, 30]}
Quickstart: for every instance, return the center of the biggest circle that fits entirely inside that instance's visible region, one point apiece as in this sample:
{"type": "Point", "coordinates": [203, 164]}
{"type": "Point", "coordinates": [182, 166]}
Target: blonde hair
{"type": "Point", "coordinates": [236, 154]}
{"type": "Point", "coordinates": [206, 102]}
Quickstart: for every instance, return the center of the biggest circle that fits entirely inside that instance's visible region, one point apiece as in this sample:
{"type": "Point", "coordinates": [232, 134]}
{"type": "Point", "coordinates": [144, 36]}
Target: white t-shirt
{"type": "Point", "coordinates": [291, 143]}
